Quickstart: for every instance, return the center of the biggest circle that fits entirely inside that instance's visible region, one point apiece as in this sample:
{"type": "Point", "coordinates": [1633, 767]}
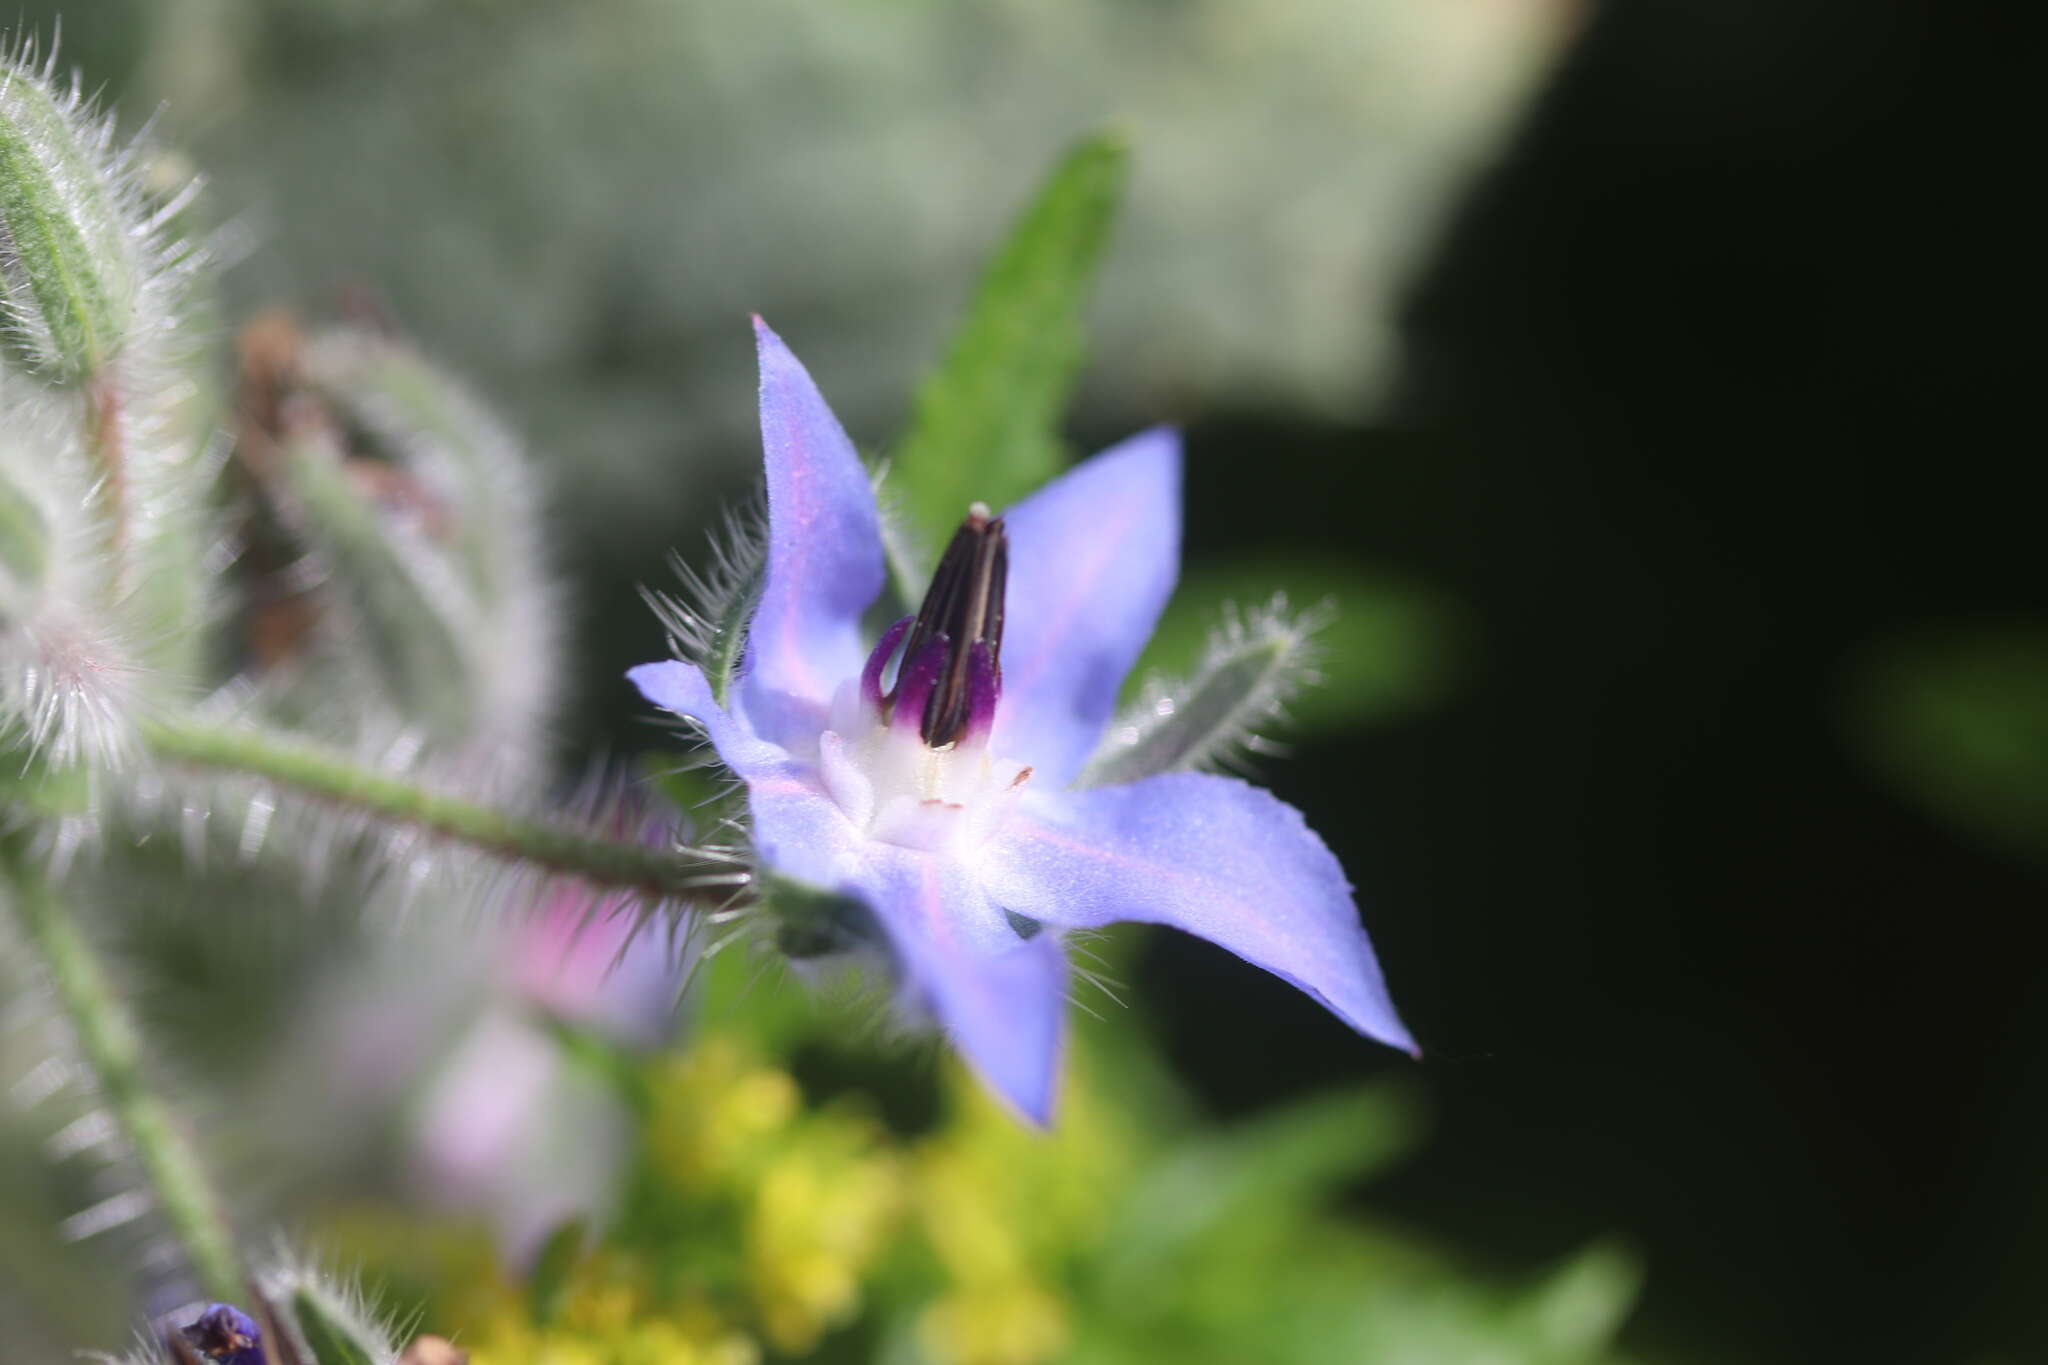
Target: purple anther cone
{"type": "Point", "coordinates": [984, 690]}
{"type": "Point", "coordinates": [225, 1335]}
{"type": "Point", "coordinates": [1071, 584]}
{"type": "Point", "coordinates": [878, 662]}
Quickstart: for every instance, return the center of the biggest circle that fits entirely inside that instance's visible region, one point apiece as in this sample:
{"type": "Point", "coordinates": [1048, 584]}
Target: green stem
{"type": "Point", "coordinates": [112, 1048]}
{"type": "Point", "coordinates": [327, 776]}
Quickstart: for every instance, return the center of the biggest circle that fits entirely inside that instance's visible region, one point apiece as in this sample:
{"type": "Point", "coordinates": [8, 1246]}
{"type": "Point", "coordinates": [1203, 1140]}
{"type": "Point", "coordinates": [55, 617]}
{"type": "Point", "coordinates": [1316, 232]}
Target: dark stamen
{"type": "Point", "coordinates": [963, 607]}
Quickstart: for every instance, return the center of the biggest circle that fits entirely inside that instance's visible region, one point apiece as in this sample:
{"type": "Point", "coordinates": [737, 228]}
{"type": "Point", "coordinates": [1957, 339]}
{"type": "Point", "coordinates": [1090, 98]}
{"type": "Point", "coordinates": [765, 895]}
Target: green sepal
{"type": "Point", "coordinates": [332, 1335]}
{"type": "Point", "coordinates": [984, 425]}
{"type": "Point", "coordinates": [67, 282]}
{"type": "Point", "coordinates": [1253, 664]}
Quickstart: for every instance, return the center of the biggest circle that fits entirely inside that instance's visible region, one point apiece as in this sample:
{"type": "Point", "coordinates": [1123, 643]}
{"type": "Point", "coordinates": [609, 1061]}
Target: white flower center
{"type": "Point", "coordinates": [896, 789]}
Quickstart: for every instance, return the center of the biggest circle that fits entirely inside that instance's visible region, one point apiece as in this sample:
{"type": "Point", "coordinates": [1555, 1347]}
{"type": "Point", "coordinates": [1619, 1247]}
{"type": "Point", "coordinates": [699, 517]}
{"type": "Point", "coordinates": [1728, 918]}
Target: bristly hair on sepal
{"type": "Point", "coordinates": [324, 1319]}
{"type": "Point", "coordinates": [707, 621]}
{"type": "Point", "coordinates": [1255, 663]}
{"type": "Point", "coordinates": [104, 460]}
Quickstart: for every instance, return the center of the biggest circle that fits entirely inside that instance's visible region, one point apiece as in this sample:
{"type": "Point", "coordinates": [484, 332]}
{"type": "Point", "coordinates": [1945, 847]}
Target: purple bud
{"type": "Point", "coordinates": [225, 1336]}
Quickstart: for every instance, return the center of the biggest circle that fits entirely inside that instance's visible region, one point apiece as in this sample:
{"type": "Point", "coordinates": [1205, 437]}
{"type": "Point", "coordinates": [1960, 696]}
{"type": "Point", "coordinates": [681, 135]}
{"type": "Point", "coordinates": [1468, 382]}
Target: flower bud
{"type": "Point", "coordinates": [1253, 664]}
{"type": "Point", "coordinates": [430, 610]}
{"type": "Point", "coordinates": [103, 480]}
{"type": "Point", "coordinates": [68, 267]}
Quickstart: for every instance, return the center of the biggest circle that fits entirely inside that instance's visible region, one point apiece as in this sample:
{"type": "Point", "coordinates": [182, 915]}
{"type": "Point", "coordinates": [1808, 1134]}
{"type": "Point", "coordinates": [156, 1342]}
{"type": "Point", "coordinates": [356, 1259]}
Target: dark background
{"type": "Point", "coordinates": [1703, 393]}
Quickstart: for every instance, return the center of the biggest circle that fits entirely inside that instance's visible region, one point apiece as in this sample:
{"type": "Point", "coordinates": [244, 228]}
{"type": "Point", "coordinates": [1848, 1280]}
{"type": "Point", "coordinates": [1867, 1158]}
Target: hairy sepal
{"type": "Point", "coordinates": [317, 1319]}
{"type": "Point", "coordinates": [1254, 663]}
{"type": "Point", "coordinates": [707, 620]}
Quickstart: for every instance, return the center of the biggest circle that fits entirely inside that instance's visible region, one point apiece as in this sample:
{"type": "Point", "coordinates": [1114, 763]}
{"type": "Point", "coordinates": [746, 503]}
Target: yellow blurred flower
{"type": "Point", "coordinates": [823, 1212]}
{"type": "Point", "coordinates": [1015, 1322]}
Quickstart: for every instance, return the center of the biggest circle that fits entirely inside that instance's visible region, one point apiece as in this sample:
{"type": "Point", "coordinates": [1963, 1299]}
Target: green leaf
{"type": "Point", "coordinates": [1280, 1166]}
{"type": "Point", "coordinates": [1575, 1314]}
{"type": "Point", "coordinates": [984, 426]}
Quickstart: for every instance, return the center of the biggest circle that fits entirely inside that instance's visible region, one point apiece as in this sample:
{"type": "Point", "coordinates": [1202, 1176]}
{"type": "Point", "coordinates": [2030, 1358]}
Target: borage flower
{"type": "Point", "coordinates": [932, 778]}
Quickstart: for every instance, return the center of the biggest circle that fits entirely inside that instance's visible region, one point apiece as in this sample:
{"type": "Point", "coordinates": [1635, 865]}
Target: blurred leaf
{"type": "Point", "coordinates": [1576, 1313]}
{"type": "Point", "coordinates": [1391, 646]}
{"type": "Point", "coordinates": [1279, 1165]}
{"type": "Point", "coordinates": [985, 422]}
{"type": "Point", "coordinates": [1954, 717]}
{"type": "Point", "coordinates": [553, 1267]}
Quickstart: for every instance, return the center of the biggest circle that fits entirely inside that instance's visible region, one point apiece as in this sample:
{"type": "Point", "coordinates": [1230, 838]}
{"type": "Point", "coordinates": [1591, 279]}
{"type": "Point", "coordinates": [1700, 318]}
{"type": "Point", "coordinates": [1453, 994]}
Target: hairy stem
{"type": "Point", "coordinates": [106, 438]}
{"type": "Point", "coordinates": [680, 874]}
{"type": "Point", "coordinates": [111, 1048]}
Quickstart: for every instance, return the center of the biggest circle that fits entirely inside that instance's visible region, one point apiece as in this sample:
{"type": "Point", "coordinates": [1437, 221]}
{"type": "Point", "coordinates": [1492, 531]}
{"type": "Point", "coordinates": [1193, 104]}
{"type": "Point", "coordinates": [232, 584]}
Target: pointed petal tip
{"type": "Point", "coordinates": [654, 680]}
{"type": "Point", "coordinates": [1032, 1103]}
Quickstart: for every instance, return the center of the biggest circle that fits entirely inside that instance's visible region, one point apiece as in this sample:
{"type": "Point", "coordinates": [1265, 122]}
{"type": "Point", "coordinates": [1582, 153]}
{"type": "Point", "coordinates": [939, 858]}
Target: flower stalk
{"type": "Point", "coordinates": [675, 874]}
{"type": "Point", "coordinates": [111, 1048]}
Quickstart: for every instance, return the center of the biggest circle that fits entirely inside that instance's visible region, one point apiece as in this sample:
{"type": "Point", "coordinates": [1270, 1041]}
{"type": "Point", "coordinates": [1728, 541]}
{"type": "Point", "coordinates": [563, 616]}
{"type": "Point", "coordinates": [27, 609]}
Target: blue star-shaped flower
{"type": "Point", "coordinates": [931, 778]}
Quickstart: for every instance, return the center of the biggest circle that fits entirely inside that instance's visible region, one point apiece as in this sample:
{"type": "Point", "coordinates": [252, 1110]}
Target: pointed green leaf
{"type": "Point", "coordinates": [985, 422]}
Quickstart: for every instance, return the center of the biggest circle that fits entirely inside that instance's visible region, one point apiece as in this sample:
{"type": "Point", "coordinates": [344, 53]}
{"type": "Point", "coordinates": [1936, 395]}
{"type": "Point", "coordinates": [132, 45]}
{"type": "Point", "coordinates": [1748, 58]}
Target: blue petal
{"type": "Point", "coordinates": [1211, 855]}
{"type": "Point", "coordinates": [1000, 998]}
{"type": "Point", "coordinates": [824, 555]}
{"type": "Point", "coordinates": [1093, 558]}
{"type": "Point", "coordinates": [681, 688]}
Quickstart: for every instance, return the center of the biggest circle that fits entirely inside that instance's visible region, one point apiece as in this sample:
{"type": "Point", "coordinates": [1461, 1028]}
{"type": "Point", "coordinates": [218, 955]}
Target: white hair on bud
{"type": "Point", "coordinates": [108, 467]}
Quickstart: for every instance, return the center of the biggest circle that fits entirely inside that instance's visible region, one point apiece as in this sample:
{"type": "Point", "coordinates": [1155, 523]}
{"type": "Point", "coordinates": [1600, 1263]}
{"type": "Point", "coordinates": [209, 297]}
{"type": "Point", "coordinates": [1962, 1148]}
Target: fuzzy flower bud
{"type": "Point", "coordinates": [103, 480]}
{"type": "Point", "coordinates": [68, 273]}
{"type": "Point", "coordinates": [428, 609]}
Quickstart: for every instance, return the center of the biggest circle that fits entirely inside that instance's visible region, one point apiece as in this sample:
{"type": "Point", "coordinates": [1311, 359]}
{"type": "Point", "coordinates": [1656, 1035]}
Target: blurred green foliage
{"type": "Point", "coordinates": [760, 1218]}
{"type": "Point", "coordinates": [1953, 716]}
{"type": "Point", "coordinates": [985, 422]}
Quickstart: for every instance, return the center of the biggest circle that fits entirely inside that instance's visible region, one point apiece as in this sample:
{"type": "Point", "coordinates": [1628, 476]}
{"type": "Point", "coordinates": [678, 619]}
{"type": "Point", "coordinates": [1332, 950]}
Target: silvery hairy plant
{"type": "Point", "coordinates": [311, 621]}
